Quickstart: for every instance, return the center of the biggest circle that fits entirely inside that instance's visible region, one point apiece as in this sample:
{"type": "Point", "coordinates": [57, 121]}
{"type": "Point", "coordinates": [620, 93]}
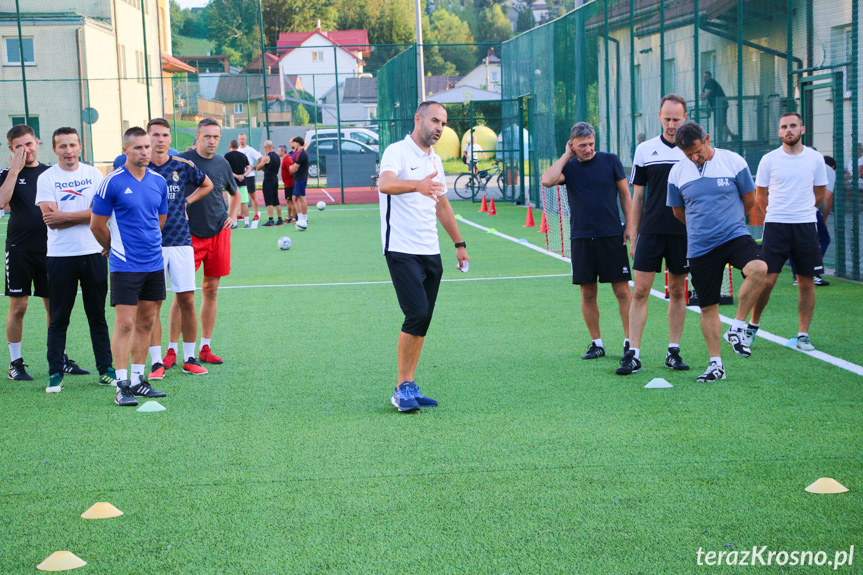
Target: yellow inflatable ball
{"type": "Point", "coordinates": [485, 137]}
{"type": "Point", "coordinates": [447, 147]}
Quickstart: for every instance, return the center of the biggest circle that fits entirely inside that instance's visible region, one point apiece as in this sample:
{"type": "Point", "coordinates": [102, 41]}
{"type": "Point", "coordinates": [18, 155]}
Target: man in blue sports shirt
{"type": "Point", "coordinates": [711, 193]}
{"type": "Point", "coordinates": [186, 185]}
{"type": "Point", "coordinates": [134, 199]}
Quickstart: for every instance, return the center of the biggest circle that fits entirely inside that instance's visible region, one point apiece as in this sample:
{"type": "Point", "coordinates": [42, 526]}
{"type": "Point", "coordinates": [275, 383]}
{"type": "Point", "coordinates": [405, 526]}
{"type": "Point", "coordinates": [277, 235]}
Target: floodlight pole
{"type": "Point", "coordinates": [23, 72]}
{"type": "Point", "coordinates": [421, 82]}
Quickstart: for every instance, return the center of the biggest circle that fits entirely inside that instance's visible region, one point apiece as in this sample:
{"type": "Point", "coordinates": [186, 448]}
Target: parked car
{"type": "Point", "coordinates": [318, 151]}
{"type": "Point", "coordinates": [361, 135]}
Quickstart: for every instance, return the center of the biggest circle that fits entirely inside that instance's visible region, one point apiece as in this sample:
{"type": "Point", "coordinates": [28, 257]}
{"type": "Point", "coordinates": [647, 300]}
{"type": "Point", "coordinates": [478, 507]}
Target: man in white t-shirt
{"type": "Point", "coordinates": [249, 181]}
{"type": "Point", "coordinates": [790, 183]}
{"type": "Point", "coordinates": [65, 193]}
{"type": "Point", "coordinates": [472, 153]}
{"type": "Point", "coordinates": [412, 201]}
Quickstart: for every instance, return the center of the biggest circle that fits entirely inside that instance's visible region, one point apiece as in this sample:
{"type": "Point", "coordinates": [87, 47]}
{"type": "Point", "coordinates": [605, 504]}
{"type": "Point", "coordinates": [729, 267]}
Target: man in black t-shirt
{"type": "Point", "coordinates": [594, 182]}
{"type": "Point", "coordinates": [270, 163]}
{"type": "Point", "coordinates": [26, 239]}
{"type": "Point", "coordinates": [241, 167]}
{"type": "Point", "coordinates": [300, 170]}
{"type": "Point", "coordinates": [657, 236]}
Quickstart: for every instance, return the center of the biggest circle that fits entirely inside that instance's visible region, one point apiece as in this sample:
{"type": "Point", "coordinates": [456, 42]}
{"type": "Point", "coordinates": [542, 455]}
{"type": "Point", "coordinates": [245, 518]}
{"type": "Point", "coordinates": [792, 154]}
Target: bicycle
{"type": "Point", "coordinates": [468, 186]}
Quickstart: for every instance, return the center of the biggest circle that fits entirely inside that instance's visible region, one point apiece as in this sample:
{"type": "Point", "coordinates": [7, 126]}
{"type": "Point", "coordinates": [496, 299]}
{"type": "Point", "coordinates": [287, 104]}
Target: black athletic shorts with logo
{"type": "Point", "coordinates": [128, 288]}
{"type": "Point", "coordinates": [605, 258]}
{"type": "Point", "coordinates": [249, 182]}
{"type": "Point", "coordinates": [708, 270]}
{"type": "Point", "coordinates": [797, 241]}
{"type": "Point", "coordinates": [651, 249]}
{"type": "Point", "coordinates": [417, 280]}
{"type": "Point", "coordinates": [271, 193]}
{"type": "Point", "coordinates": [26, 269]}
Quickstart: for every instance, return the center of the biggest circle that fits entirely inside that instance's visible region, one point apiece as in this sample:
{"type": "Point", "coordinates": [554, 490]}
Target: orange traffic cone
{"type": "Point", "coordinates": [543, 225]}
{"type": "Point", "coordinates": [529, 221]}
{"type": "Point", "coordinates": [484, 206]}
{"type": "Point", "coordinates": [491, 210]}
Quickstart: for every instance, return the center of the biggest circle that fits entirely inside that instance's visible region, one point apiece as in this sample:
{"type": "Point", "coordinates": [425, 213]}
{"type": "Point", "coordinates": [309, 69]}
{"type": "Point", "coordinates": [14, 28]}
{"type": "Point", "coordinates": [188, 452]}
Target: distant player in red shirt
{"type": "Point", "coordinates": [288, 181]}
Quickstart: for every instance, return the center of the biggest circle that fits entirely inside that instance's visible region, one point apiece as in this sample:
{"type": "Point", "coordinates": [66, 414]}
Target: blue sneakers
{"type": "Point", "coordinates": [407, 397]}
{"type": "Point", "coordinates": [403, 398]}
{"type": "Point", "coordinates": [422, 400]}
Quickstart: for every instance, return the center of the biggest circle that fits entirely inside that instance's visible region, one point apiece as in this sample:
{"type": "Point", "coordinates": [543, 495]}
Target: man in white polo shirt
{"type": "Point", "coordinates": [65, 193]}
{"type": "Point", "coordinates": [790, 183]}
{"type": "Point", "coordinates": [412, 199]}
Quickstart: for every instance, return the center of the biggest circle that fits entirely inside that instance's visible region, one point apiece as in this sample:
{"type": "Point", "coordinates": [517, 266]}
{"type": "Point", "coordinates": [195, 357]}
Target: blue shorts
{"type": "Point", "coordinates": [299, 188]}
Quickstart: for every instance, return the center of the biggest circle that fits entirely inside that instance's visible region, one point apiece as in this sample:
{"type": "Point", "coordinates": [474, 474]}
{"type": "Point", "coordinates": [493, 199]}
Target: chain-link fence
{"type": "Point", "coordinates": [738, 63]}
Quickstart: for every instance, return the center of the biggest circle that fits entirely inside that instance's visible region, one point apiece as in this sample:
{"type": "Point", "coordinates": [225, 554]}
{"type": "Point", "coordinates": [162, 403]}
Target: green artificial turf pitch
{"type": "Point", "coordinates": [289, 457]}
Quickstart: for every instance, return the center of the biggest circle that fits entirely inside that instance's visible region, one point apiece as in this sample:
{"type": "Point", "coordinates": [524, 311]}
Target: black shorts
{"type": "Point", "coordinates": [26, 269]}
{"type": "Point", "coordinates": [416, 279]}
{"type": "Point", "coordinates": [651, 249]}
{"type": "Point", "coordinates": [127, 288]}
{"type": "Point", "coordinates": [797, 241]}
{"type": "Point", "coordinates": [249, 182]}
{"type": "Point", "coordinates": [605, 258]}
{"type": "Point", "coordinates": [708, 269]}
{"type": "Point", "coordinates": [271, 193]}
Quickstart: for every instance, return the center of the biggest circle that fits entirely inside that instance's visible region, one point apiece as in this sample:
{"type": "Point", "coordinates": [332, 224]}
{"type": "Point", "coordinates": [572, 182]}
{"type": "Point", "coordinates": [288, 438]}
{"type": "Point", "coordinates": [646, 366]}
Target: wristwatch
{"type": "Point", "coordinates": [461, 245]}
{"type": "Point", "coordinates": [188, 203]}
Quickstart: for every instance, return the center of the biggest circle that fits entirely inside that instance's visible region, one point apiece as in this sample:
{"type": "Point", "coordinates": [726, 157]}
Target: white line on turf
{"type": "Point", "coordinates": [332, 199]}
{"type": "Point", "coordinates": [825, 357]}
{"type": "Point", "coordinates": [337, 284]}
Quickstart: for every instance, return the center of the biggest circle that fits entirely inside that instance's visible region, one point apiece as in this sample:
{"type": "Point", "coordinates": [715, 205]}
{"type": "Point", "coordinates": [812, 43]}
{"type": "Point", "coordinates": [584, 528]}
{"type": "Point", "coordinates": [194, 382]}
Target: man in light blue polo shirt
{"type": "Point", "coordinates": [133, 200]}
{"type": "Point", "coordinates": [711, 193]}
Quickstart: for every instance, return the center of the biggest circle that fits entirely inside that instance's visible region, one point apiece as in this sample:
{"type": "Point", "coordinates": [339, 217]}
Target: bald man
{"type": "Point", "coordinates": [270, 163]}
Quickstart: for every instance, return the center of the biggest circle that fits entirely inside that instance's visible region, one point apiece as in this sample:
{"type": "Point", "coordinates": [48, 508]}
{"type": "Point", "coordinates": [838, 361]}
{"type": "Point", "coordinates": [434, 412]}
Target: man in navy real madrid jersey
{"type": "Point", "coordinates": [711, 192]}
{"type": "Point", "coordinates": [186, 185]}
{"type": "Point", "coordinates": [134, 199]}
{"type": "Point", "coordinates": [657, 235]}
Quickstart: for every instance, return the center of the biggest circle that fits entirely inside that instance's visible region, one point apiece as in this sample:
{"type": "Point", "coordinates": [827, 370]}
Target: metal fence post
{"type": "Point", "coordinates": [338, 124]}
{"type": "Point", "coordinates": [264, 69]}
{"type": "Point", "coordinates": [23, 66]}
{"type": "Point", "coordinates": [146, 63]}
{"type": "Point", "coordinates": [696, 48]}
{"type": "Point", "coordinates": [739, 81]}
{"type": "Point", "coordinates": [853, 81]}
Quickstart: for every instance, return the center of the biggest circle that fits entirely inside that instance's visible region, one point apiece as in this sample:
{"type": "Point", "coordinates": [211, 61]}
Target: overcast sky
{"type": "Point", "coordinates": [192, 3]}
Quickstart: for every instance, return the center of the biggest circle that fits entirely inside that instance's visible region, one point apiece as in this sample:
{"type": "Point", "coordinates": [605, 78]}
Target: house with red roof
{"type": "Point", "coordinates": [319, 57]}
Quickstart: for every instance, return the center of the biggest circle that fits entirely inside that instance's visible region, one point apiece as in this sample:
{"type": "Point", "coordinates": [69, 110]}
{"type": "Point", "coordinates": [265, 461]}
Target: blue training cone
{"type": "Point", "coordinates": [791, 342]}
{"type": "Point", "coordinates": [151, 406]}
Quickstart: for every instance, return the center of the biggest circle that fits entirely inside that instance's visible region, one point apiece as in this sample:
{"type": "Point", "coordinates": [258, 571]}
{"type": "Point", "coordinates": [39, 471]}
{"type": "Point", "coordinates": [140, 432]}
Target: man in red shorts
{"type": "Point", "coordinates": [210, 226]}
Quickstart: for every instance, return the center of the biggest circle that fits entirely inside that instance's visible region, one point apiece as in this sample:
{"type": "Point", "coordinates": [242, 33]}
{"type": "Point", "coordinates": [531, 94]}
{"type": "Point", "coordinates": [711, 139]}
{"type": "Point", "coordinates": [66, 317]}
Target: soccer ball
{"type": "Point", "coordinates": [285, 243]}
{"type": "Point", "coordinates": [322, 205]}
{"type": "Point", "coordinates": [301, 226]}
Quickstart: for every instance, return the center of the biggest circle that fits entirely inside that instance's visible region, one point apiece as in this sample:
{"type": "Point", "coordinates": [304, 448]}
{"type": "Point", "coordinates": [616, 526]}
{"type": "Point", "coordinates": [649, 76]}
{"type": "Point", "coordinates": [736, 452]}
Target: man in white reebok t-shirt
{"type": "Point", "coordinates": [790, 183]}
{"type": "Point", "coordinates": [412, 200]}
{"type": "Point", "coordinates": [249, 182]}
{"type": "Point", "coordinates": [64, 193]}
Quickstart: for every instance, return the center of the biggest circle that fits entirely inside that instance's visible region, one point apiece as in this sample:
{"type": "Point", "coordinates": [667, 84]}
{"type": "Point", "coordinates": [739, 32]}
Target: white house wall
{"type": "Point", "coordinates": [316, 75]}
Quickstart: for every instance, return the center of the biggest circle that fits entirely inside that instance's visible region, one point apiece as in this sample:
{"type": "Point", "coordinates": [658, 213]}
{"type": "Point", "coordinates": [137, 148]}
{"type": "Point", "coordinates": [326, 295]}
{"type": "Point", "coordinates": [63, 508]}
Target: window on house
{"type": "Point", "coordinates": [122, 63]}
{"type": "Point", "coordinates": [139, 66]}
{"type": "Point", "coordinates": [239, 108]}
{"type": "Point", "coordinates": [13, 51]}
{"type": "Point", "coordinates": [33, 123]}
{"type": "Point", "coordinates": [841, 51]}
{"type": "Point", "coordinates": [669, 71]}
{"type": "Point", "coordinates": [318, 56]}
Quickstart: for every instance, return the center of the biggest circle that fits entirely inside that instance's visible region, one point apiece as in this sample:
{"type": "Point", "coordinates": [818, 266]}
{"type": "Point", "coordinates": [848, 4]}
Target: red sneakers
{"type": "Point", "coordinates": [207, 356]}
{"type": "Point", "coordinates": [192, 366]}
{"type": "Point", "coordinates": [157, 371]}
{"type": "Point", "coordinates": [170, 359]}
{"type": "Point", "coordinates": [257, 217]}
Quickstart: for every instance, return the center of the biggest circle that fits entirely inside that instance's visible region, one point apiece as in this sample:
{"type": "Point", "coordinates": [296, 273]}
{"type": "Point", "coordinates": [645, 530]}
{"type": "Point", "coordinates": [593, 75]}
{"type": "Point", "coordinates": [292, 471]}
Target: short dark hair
{"type": "Point", "coordinates": [830, 161]}
{"type": "Point", "coordinates": [799, 117]}
{"type": "Point", "coordinates": [426, 105]}
{"type": "Point", "coordinates": [299, 140]}
{"type": "Point", "coordinates": [233, 144]}
{"type": "Point", "coordinates": [673, 98]}
{"type": "Point", "coordinates": [688, 133]}
{"type": "Point", "coordinates": [134, 132]}
{"type": "Point", "coordinates": [19, 130]}
{"type": "Point", "coordinates": [158, 122]}
{"type": "Point", "coordinates": [208, 122]}
{"type": "Point", "coordinates": [283, 148]}
{"type": "Point", "coordinates": [64, 131]}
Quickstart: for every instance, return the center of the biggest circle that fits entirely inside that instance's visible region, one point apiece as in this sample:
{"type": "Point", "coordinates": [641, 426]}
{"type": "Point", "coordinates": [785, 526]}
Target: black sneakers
{"type": "Point", "coordinates": [72, 368]}
{"type": "Point", "coordinates": [629, 364]}
{"type": "Point", "coordinates": [593, 352]}
{"type": "Point", "coordinates": [143, 389]}
{"type": "Point", "coordinates": [819, 281]}
{"type": "Point", "coordinates": [18, 370]}
{"type": "Point", "coordinates": [124, 395]}
{"type": "Point", "coordinates": [674, 361]}
{"type": "Point", "coordinates": [714, 372]}
{"type": "Point", "coordinates": [737, 339]}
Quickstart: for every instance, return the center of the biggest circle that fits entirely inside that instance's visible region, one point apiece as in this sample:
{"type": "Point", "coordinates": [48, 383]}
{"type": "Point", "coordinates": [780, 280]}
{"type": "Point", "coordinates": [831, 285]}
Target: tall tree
{"type": "Point", "coordinates": [493, 25]}
{"type": "Point", "coordinates": [447, 28]}
{"type": "Point", "coordinates": [525, 20]}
